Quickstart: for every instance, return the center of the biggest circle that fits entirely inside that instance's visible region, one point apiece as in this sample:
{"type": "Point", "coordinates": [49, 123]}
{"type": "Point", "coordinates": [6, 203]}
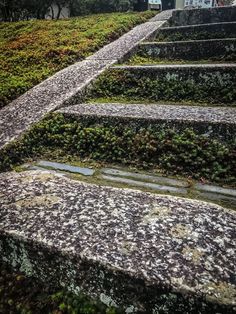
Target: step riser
{"type": "Point", "coordinates": [225, 132]}
{"type": "Point", "coordinates": [174, 83]}
{"type": "Point", "coordinates": [194, 50]}
{"type": "Point", "coordinates": [227, 30]}
{"type": "Point", "coordinates": [203, 16]}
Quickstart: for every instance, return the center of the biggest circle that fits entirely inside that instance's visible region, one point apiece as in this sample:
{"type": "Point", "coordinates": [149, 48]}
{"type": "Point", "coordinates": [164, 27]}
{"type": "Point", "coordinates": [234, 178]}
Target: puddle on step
{"type": "Point", "coordinates": [66, 167]}
{"type": "Point", "coordinates": [148, 185]}
{"type": "Point", "coordinates": [225, 197]}
{"type": "Point", "coordinates": [145, 177]}
{"type": "Point", "coordinates": [215, 189]}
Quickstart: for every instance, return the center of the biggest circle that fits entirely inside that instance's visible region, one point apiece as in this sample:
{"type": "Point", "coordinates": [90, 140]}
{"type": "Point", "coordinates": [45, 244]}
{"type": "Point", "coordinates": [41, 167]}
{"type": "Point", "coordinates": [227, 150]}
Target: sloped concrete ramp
{"type": "Point", "coordinates": [123, 246]}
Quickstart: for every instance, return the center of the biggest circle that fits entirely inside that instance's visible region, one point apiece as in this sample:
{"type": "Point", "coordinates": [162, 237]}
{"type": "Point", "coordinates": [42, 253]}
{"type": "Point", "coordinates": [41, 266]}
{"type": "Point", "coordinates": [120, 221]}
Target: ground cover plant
{"type": "Point", "coordinates": [137, 85]}
{"type": "Point", "coordinates": [184, 152]}
{"type": "Point", "coordinates": [31, 51]}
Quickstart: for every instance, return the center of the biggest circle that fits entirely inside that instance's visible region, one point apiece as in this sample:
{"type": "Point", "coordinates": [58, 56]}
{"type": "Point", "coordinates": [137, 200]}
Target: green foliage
{"type": "Point", "coordinates": [31, 51]}
{"type": "Point", "coordinates": [177, 152]}
{"type": "Point", "coordinates": [135, 86]}
{"type": "Point", "coordinates": [16, 10]}
{"type": "Point", "coordinates": [21, 295]}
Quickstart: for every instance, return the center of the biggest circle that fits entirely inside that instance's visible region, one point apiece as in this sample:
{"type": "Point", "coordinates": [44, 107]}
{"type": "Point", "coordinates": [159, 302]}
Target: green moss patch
{"type": "Point", "coordinates": [180, 86]}
{"type": "Point", "coordinates": [174, 151]}
{"type": "Point", "coordinates": [31, 51]}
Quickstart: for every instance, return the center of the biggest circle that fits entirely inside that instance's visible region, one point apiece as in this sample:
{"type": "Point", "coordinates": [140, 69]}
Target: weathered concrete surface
{"type": "Point", "coordinates": [163, 16]}
{"type": "Point", "coordinates": [61, 88]}
{"type": "Point", "coordinates": [125, 45]}
{"type": "Point", "coordinates": [190, 50]}
{"type": "Point", "coordinates": [52, 93]}
{"type": "Point", "coordinates": [203, 16]}
{"type": "Point", "coordinates": [213, 121]}
{"type": "Point", "coordinates": [206, 31]}
{"type": "Point", "coordinates": [125, 246]}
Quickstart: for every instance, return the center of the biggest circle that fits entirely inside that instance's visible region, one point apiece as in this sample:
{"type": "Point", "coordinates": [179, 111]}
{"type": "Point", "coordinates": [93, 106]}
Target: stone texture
{"type": "Point", "coordinates": [190, 50]}
{"type": "Point", "coordinates": [52, 93]}
{"type": "Point", "coordinates": [219, 30]}
{"type": "Point", "coordinates": [218, 121]}
{"type": "Point", "coordinates": [125, 45]}
{"type": "Point", "coordinates": [122, 245]}
{"type": "Point", "coordinates": [163, 16]}
{"type": "Point", "coordinates": [203, 16]}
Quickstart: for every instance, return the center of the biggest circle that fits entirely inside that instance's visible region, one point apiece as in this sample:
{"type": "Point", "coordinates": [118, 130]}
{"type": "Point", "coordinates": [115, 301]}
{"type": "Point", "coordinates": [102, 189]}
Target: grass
{"type": "Point", "coordinates": [31, 51]}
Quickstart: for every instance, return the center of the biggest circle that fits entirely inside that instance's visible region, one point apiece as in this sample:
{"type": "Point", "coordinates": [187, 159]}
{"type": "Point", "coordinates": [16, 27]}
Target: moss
{"type": "Point", "coordinates": [31, 51]}
{"type": "Point", "coordinates": [182, 152]}
{"type": "Point", "coordinates": [212, 88]}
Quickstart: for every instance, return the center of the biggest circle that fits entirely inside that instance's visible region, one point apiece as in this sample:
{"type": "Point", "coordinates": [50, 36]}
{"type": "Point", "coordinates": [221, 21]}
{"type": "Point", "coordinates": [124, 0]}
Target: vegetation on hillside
{"type": "Point", "coordinates": [31, 51]}
{"type": "Point", "coordinates": [16, 10]}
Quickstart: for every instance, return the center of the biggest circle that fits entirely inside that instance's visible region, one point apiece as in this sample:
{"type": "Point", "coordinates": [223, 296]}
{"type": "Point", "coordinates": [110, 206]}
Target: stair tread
{"type": "Point", "coordinates": [196, 25]}
{"type": "Point", "coordinates": [155, 112]}
{"type": "Point", "coordinates": [180, 66]}
{"type": "Point", "coordinates": [183, 42]}
{"type": "Point", "coordinates": [163, 241]}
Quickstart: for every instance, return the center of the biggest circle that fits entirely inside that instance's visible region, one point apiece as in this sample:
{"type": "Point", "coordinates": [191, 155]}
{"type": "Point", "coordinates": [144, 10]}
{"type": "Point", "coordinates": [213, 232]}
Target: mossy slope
{"type": "Point", "coordinates": [31, 51]}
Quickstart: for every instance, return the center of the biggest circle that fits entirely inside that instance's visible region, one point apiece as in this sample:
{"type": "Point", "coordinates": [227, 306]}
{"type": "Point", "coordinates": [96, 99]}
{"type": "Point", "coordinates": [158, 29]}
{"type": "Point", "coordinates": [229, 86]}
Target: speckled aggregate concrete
{"type": "Point", "coordinates": [155, 112]}
{"type": "Point", "coordinates": [52, 93]}
{"type": "Point", "coordinates": [122, 245]}
{"type": "Point", "coordinates": [163, 16]}
{"type": "Point", "coordinates": [61, 88]}
{"type": "Point", "coordinates": [218, 120]}
{"type": "Point", "coordinates": [220, 66]}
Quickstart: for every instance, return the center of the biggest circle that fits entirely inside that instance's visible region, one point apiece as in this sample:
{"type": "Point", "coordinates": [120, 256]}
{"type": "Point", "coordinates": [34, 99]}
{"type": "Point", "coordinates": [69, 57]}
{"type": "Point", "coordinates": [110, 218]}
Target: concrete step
{"type": "Point", "coordinates": [197, 32]}
{"type": "Point", "coordinates": [147, 181]}
{"type": "Point", "coordinates": [208, 83]}
{"type": "Point", "coordinates": [131, 249]}
{"type": "Point", "coordinates": [203, 16]}
{"type": "Point", "coordinates": [217, 49]}
{"type": "Point", "coordinates": [215, 122]}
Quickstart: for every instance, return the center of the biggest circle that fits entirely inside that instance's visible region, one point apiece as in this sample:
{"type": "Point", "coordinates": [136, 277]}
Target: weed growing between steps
{"type": "Point", "coordinates": [167, 87]}
{"type": "Point", "coordinates": [175, 152]}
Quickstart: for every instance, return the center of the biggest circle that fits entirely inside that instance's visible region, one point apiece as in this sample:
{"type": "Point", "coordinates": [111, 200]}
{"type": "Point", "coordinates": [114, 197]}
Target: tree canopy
{"type": "Point", "coordinates": [15, 10]}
